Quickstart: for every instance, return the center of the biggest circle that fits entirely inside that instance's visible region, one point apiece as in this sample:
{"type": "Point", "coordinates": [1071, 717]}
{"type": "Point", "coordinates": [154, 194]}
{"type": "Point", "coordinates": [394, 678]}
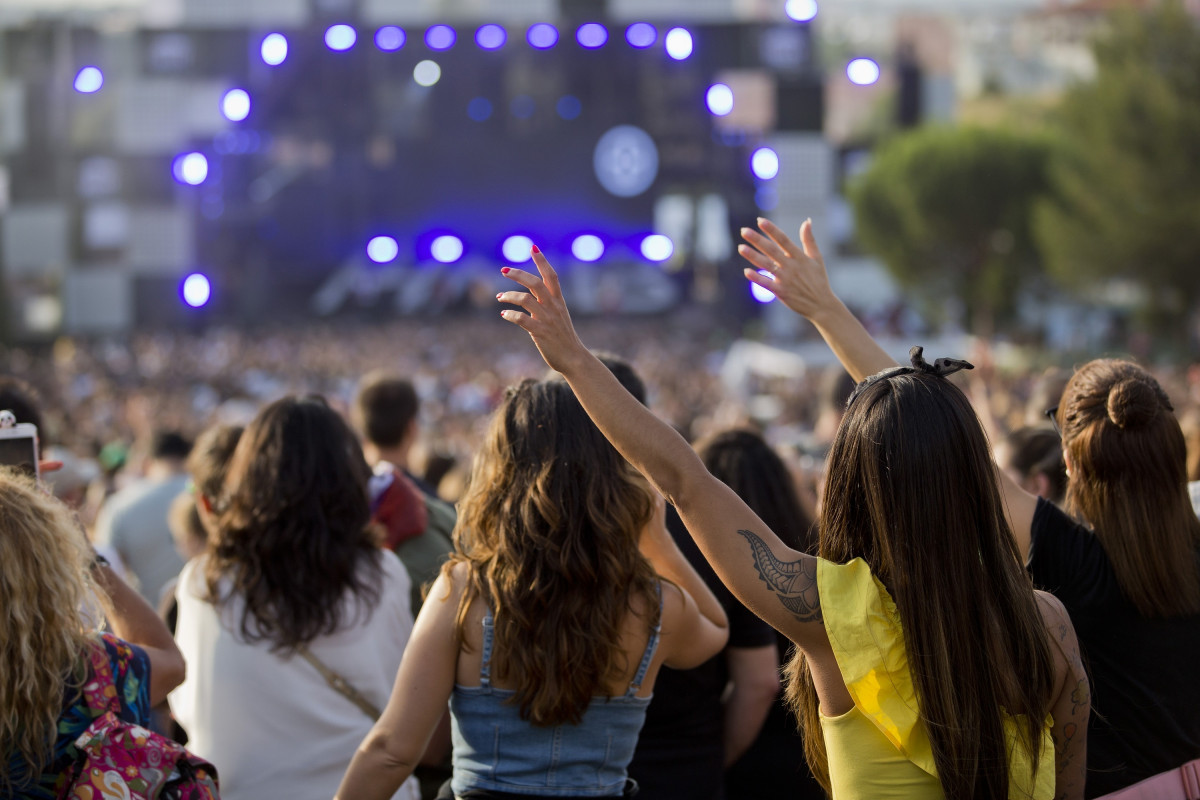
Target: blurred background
{"type": "Point", "coordinates": [231, 198]}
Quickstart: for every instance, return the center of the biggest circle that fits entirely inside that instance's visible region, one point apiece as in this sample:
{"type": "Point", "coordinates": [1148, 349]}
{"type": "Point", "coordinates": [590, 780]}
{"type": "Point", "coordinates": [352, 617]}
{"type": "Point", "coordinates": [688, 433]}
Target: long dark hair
{"type": "Point", "coordinates": [293, 534]}
{"type": "Point", "coordinates": [912, 491]}
{"type": "Point", "coordinates": [1129, 482]}
{"type": "Point", "coordinates": [745, 463]}
{"type": "Point", "coordinates": [549, 529]}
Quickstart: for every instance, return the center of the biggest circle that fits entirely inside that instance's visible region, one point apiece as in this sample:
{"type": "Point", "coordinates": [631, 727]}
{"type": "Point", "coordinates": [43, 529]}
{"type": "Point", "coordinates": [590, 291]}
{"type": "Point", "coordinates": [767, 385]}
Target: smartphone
{"type": "Point", "coordinates": [19, 448]}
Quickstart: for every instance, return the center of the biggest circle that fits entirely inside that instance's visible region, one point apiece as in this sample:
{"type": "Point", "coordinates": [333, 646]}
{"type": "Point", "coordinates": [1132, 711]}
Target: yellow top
{"type": "Point", "coordinates": [891, 757]}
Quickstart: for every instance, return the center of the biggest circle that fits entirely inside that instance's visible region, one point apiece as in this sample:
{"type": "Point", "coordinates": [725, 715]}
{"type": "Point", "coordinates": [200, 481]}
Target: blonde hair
{"type": "Point", "coordinates": [47, 596]}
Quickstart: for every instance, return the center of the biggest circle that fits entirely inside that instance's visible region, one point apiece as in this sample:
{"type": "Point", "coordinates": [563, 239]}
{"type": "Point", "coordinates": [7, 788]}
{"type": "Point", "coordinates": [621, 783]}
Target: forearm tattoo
{"type": "Point", "coordinates": [794, 582]}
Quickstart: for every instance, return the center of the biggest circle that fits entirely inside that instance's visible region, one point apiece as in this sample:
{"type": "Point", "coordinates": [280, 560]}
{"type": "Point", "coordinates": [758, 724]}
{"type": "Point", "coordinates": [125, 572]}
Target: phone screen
{"type": "Point", "coordinates": [19, 452]}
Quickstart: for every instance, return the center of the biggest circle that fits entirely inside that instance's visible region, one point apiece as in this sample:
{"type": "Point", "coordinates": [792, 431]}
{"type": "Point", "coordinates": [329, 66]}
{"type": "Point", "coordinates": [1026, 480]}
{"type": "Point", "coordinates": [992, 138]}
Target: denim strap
{"type": "Point", "coordinates": [636, 685]}
{"type": "Point", "coordinates": [485, 665]}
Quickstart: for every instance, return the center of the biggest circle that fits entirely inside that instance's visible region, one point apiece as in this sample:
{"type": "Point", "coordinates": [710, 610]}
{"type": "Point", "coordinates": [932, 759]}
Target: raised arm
{"type": "Point", "coordinates": [776, 582]}
{"type": "Point", "coordinates": [798, 278]}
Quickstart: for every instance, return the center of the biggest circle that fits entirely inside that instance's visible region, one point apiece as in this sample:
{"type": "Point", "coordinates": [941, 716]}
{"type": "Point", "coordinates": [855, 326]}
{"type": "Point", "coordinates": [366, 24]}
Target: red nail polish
{"type": "Point", "coordinates": [535, 249]}
{"type": "Point", "coordinates": [504, 271]}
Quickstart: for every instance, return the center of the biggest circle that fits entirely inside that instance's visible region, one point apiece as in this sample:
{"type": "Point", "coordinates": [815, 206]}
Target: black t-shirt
{"type": "Point", "coordinates": [680, 752]}
{"type": "Point", "coordinates": [1145, 673]}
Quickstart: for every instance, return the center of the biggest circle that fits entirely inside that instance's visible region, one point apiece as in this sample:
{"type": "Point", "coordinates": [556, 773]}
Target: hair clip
{"type": "Point", "coordinates": [939, 368]}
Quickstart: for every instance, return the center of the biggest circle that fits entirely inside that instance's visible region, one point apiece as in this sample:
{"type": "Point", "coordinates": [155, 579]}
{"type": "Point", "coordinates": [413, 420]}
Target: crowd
{"type": "Point", "coordinates": [422, 561]}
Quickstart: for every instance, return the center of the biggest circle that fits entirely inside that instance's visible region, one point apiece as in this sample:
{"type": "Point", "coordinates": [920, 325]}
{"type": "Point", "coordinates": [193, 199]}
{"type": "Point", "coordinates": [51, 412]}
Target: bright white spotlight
{"type": "Point", "coordinates": [764, 163]}
{"type": "Point", "coordinates": [196, 290]}
{"type": "Point", "coordinates": [274, 49]}
{"type": "Point", "coordinates": [89, 80]}
{"type": "Point", "coordinates": [190, 168]}
{"type": "Point", "coordinates": [382, 249]}
{"type": "Point", "coordinates": [801, 10]}
{"type": "Point", "coordinates": [657, 247]}
{"type": "Point", "coordinates": [862, 71]}
{"type": "Point", "coordinates": [587, 247]}
{"type": "Point", "coordinates": [679, 43]}
{"type": "Point", "coordinates": [719, 99]}
{"type": "Point", "coordinates": [340, 37]}
{"type": "Point", "coordinates": [516, 249]}
{"type": "Point", "coordinates": [235, 105]}
{"type": "Point", "coordinates": [446, 249]}
{"type": "Point", "coordinates": [760, 294]}
{"type": "Point", "coordinates": [625, 161]}
{"type": "Point", "coordinates": [389, 38]}
{"type": "Point", "coordinates": [427, 72]}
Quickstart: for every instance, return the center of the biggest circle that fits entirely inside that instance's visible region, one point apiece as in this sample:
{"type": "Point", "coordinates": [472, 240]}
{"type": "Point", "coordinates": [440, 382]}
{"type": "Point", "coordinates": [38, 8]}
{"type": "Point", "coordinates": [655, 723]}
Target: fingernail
{"type": "Point", "coordinates": [809, 220]}
{"type": "Point", "coordinates": [499, 295]}
{"type": "Point", "coordinates": [535, 249]}
{"type": "Point", "coordinates": [504, 270]}
{"type": "Point", "coordinates": [746, 230]}
{"type": "Point", "coordinates": [761, 220]}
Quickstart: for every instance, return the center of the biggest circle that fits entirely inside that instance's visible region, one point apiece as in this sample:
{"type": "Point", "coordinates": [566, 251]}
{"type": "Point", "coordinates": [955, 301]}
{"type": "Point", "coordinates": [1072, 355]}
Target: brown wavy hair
{"type": "Point", "coordinates": [293, 536]}
{"type": "Point", "coordinates": [912, 490]}
{"type": "Point", "coordinates": [47, 596]}
{"type": "Point", "coordinates": [1129, 483]}
{"type": "Point", "coordinates": [549, 529]}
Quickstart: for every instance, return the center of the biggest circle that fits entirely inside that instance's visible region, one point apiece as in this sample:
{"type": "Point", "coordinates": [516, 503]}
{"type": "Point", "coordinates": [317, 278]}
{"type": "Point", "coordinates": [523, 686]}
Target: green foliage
{"type": "Point", "coordinates": [1127, 200]}
{"type": "Point", "coordinates": [948, 210]}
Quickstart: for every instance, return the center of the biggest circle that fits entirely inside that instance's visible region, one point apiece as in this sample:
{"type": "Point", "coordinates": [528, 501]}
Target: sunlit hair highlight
{"type": "Point", "coordinates": [1129, 483]}
{"type": "Point", "coordinates": [47, 598]}
{"type": "Point", "coordinates": [912, 490]}
{"type": "Point", "coordinates": [293, 538]}
{"type": "Point", "coordinates": [549, 530]}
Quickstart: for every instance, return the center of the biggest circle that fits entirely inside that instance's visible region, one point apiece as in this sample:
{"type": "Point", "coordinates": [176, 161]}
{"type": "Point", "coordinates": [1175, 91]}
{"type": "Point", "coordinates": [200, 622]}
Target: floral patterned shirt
{"type": "Point", "coordinates": [131, 675]}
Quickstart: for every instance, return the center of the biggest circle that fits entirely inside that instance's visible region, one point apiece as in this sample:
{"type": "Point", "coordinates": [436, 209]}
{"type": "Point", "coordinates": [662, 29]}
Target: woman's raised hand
{"type": "Point", "coordinates": [797, 273]}
{"type": "Point", "coordinates": [548, 322]}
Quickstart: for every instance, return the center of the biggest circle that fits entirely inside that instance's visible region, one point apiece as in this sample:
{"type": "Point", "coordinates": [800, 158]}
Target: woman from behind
{"type": "Point", "coordinates": [927, 665]}
{"type": "Point", "coordinates": [293, 585]}
{"type": "Point", "coordinates": [547, 627]}
{"type": "Point", "coordinates": [1130, 575]}
{"type": "Point", "coordinates": [53, 592]}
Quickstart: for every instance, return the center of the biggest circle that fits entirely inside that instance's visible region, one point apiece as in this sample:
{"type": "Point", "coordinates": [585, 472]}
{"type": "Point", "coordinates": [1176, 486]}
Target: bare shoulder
{"type": "Point", "coordinates": [1062, 633]}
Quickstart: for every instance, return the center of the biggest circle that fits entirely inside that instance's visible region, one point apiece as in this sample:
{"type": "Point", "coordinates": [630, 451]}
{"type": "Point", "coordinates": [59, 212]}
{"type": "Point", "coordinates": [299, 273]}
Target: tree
{"type": "Point", "coordinates": [949, 211]}
{"type": "Point", "coordinates": [1127, 200]}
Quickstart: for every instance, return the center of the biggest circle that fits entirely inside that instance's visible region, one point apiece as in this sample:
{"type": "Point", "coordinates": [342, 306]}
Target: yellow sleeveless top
{"type": "Point", "coordinates": [880, 748]}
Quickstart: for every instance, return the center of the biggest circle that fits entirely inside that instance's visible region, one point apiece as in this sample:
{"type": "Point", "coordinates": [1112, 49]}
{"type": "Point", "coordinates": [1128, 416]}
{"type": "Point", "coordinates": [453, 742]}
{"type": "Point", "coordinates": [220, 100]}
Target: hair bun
{"type": "Point", "coordinates": [1132, 403]}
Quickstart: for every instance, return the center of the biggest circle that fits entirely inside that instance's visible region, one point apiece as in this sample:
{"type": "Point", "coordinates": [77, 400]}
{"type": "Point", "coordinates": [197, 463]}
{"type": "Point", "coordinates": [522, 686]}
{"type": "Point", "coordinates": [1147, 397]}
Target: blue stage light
{"type": "Point", "coordinates": [440, 37]}
{"type": "Point", "coordinates": [591, 35]}
{"type": "Point", "coordinates": [679, 43]}
{"type": "Point", "coordinates": [801, 10]}
{"type": "Point", "coordinates": [522, 106]}
{"type": "Point", "coordinates": [340, 37]}
{"type": "Point", "coordinates": [89, 80]}
{"type": "Point", "coordinates": [235, 105]}
{"type": "Point", "coordinates": [516, 249]}
{"type": "Point", "coordinates": [760, 294]}
{"type": "Point", "coordinates": [764, 163]}
{"type": "Point", "coordinates": [479, 109]}
{"type": "Point", "coordinates": [657, 247]}
{"type": "Point", "coordinates": [542, 36]}
{"type": "Point", "coordinates": [389, 38]}
{"type": "Point", "coordinates": [382, 249]}
{"type": "Point", "coordinates": [641, 35]}
{"type": "Point", "coordinates": [862, 71]}
{"type": "Point", "coordinates": [190, 168]}
{"type": "Point", "coordinates": [446, 249]}
{"type": "Point", "coordinates": [427, 73]}
{"type": "Point", "coordinates": [587, 247]}
{"type": "Point", "coordinates": [719, 99]}
{"type": "Point", "coordinates": [491, 37]}
{"type": "Point", "coordinates": [274, 49]}
{"type": "Point", "coordinates": [195, 290]}
{"type": "Point", "coordinates": [569, 107]}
